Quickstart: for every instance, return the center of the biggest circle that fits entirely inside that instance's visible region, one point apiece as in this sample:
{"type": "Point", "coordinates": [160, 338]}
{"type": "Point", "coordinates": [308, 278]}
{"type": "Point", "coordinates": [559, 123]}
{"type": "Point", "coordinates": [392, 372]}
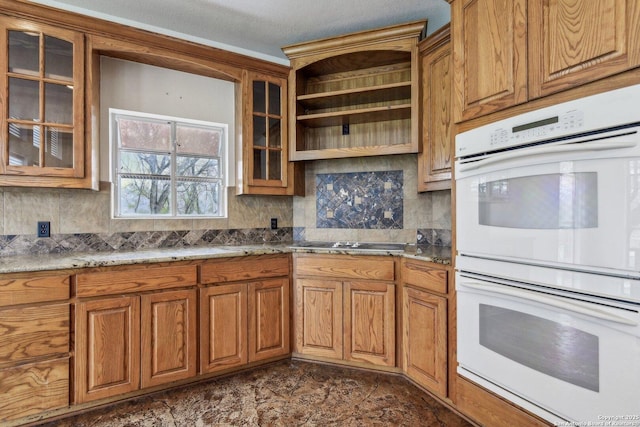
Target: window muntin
{"type": "Point", "coordinates": [166, 167]}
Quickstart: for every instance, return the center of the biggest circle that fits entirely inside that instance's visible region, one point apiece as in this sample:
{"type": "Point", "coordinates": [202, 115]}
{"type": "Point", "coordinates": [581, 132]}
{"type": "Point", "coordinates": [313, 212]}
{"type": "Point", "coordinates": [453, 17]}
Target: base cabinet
{"type": "Point", "coordinates": [345, 309]}
{"type": "Point", "coordinates": [268, 302]}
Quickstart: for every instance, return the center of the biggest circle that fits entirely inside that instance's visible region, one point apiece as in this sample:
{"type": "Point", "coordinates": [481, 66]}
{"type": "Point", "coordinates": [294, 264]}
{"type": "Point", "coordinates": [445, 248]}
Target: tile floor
{"type": "Point", "coordinates": [287, 393]}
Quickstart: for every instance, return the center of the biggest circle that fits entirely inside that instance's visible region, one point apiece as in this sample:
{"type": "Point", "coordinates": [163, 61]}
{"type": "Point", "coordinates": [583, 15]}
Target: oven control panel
{"type": "Point", "coordinates": [592, 113]}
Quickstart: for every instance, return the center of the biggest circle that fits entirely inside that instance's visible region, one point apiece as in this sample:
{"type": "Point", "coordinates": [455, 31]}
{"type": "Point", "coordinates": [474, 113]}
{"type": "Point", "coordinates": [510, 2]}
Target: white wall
{"type": "Point", "coordinates": [145, 88]}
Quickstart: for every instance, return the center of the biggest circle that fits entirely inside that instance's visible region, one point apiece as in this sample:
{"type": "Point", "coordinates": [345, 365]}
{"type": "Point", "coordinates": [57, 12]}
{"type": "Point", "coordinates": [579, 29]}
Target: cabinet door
{"type": "Point", "coordinates": [107, 348]}
{"type": "Point", "coordinates": [42, 124]}
{"type": "Point", "coordinates": [425, 339]}
{"type": "Point", "coordinates": [369, 323]}
{"type": "Point", "coordinates": [318, 318]}
{"type": "Point", "coordinates": [434, 161]}
{"type": "Point", "coordinates": [574, 42]}
{"type": "Point", "coordinates": [489, 55]}
{"type": "Point", "coordinates": [268, 305]}
{"type": "Point", "coordinates": [223, 327]}
{"type": "Point", "coordinates": [168, 336]}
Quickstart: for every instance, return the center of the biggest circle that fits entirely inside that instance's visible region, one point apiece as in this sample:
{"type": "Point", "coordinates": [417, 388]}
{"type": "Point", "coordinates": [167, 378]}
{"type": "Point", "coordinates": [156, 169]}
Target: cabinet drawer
{"type": "Point", "coordinates": [345, 266]}
{"type": "Point", "coordinates": [230, 270]}
{"type": "Point", "coordinates": [152, 278]}
{"type": "Point", "coordinates": [33, 287]}
{"type": "Point", "coordinates": [423, 276]}
{"type": "Point", "coordinates": [29, 332]}
{"type": "Point", "coordinates": [33, 388]}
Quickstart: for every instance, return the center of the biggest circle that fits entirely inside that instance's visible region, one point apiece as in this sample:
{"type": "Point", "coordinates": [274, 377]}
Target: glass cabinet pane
{"type": "Point", "coordinates": [58, 58]}
{"type": "Point", "coordinates": [24, 53]}
{"type": "Point", "coordinates": [259, 164]}
{"type": "Point", "coordinates": [24, 99]}
{"type": "Point", "coordinates": [58, 148]}
{"type": "Point", "coordinates": [274, 99]}
{"type": "Point", "coordinates": [58, 104]}
{"type": "Point", "coordinates": [259, 131]}
{"type": "Point", "coordinates": [275, 163]}
{"type": "Point", "coordinates": [24, 145]}
{"type": "Point", "coordinates": [274, 133]}
{"type": "Point", "coordinates": [259, 97]}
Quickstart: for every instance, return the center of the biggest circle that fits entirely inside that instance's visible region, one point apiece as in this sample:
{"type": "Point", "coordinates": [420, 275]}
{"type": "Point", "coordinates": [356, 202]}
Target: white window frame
{"type": "Point", "coordinates": [114, 159]}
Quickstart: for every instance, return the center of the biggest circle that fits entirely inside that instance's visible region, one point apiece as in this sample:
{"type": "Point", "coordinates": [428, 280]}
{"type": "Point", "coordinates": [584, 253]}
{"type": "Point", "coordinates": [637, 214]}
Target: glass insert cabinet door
{"type": "Point", "coordinates": [42, 116]}
{"type": "Point", "coordinates": [268, 131]}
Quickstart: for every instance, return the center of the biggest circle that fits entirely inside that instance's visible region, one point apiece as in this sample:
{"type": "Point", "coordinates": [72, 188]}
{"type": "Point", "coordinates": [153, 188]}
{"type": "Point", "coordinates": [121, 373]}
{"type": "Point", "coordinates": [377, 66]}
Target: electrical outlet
{"type": "Point", "coordinates": [274, 223]}
{"type": "Point", "coordinates": [44, 229]}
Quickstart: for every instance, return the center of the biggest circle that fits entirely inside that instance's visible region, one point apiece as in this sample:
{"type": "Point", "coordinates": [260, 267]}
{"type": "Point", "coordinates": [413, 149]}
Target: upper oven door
{"type": "Point", "coordinates": [569, 204]}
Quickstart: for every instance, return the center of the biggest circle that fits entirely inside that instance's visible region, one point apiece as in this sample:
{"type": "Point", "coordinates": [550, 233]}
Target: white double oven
{"type": "Point", "coordinates": [548, 264]}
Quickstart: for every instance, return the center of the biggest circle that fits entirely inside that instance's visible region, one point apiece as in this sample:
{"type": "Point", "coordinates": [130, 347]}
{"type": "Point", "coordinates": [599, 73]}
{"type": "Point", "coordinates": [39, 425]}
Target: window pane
{"type": "Point", "coordinates": [143, 134]}
{"type": "Point", "coordinates": [259, 131]}
{"type": "Point", "coordinates": [274, 99]}
{"type": "Point", "coordinates": [259, 97]}
{"type": "Point", "coordinates": [145, 163]}
{"type": "Point", "coordinates": [58, 104]}
{"type": "Point", "coordinates": [274, 165]}
{"type": "Point", "coordinates": [58, 58]}
{"type": "Point", "coordinates": [140, 196]}
{"type": "Point", "coordinates": [58, 148]}
{"type": "Point", "coordinates": [24, 145]}
{"type": "Point", "coordinates": [198, 198]}
{"type": "Point", "coordinates": [274, 133]}
{"type": "Point", "coordinates": [197, 166]}
{"type": "Point", "coordinates": [24, 53]}
{"type": "Point", "coordinates": [24, 99]}
{"type": "Point", "coordinates": [198, 140]}
{"type": "Point", "coordinates": [260, 164]}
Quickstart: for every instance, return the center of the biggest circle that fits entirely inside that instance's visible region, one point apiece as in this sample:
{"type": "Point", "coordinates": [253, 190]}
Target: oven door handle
{"type": "Point", "coordinates": [575, 306]}
{"type": "Point", "coordinates": [598, 145]}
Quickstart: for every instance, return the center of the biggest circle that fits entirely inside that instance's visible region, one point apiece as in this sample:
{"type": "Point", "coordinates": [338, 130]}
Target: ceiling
{"type": "Point", "coordinates": [259, 28]}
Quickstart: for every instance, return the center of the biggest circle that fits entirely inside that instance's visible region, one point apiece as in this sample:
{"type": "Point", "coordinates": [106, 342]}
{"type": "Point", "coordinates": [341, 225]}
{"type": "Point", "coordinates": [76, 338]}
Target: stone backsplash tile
{"type": "Point", "coordinates": [360, 200]}
{"type": "Point", "coordinates": [137, 240]}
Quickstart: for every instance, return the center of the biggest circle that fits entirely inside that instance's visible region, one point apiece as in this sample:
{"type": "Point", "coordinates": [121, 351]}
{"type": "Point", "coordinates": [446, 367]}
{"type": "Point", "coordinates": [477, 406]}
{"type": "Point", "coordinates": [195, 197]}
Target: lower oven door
{"type": "Point", "coordinates": [577, 360]}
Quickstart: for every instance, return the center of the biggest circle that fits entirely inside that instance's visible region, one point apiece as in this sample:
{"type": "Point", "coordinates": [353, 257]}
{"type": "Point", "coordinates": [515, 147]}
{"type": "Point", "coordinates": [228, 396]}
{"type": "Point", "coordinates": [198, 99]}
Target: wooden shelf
{"type": "Point", "coordinates": [356, 96]}
{"type": "Point", "coordinates": [357, 116]}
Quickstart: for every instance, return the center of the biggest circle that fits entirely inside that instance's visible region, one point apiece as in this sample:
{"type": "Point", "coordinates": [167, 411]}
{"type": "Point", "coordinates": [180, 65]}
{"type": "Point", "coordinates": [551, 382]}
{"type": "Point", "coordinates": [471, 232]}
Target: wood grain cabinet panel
{"type": "Point", "coordinates": [223, 327]}
{"type": "Point", "coordinates": [369, 322]}
{"type": "Point", "coordinates": [489, 56]}
{"type": "Point", "coordinates": [318, 318]}
{"type": "Point", "coordinates": [575, 42]}
{"type": "Point", "coordinates": [33, 388]}
{"type": "Point", "coordinates": [107, 348]}
{"type": "Point", "coordinates": [168, 336]}
{"type": "Point", "coordinates": [422, 275]}
{"type": "Point", "coordinates": [268, 306]}
{"type": "Point", "coordinates": [27, 288]}
{"type": "Point", "coordinates": [425, 339]}
{"type": "Point", "coordinates": [245, 268]}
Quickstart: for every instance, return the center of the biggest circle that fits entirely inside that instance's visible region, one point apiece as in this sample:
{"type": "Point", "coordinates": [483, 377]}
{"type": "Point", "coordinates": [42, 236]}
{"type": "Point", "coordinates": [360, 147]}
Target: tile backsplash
{"type": "Point", "coordinates": [360, 200]}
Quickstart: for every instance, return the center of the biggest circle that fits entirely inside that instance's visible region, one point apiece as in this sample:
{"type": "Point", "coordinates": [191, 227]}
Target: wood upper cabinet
{"type": "Point", "coordinates": [574, 42]}
{"type": "Point", "coordinates": [264, 166]}
{"type": "Point", "coordinates": [345, 308]}
{"type": "Point", "coordinates": [355, 95]}
{"type": "Point", "coordinates": [508, 52]}
{"type": "Point", "coordinates": [489, 55]}
{"type": "Point", "coordinates": [107, 343]}
{"type": "Point", "coordinates": [425, 325]}
{"type": "Point", "coordinates": [168, 333]}
{"type": "Point", "coordinates": [435, 159]}
{"type": "Point", "coordinates": [42, 139]}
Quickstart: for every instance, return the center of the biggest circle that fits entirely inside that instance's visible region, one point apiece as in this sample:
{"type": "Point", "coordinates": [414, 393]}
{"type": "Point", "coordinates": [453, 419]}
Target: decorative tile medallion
{"type": "Point", "coordinates": [360, 200]}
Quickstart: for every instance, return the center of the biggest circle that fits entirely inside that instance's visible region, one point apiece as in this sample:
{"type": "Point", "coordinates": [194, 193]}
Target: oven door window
{"type": "Point", "coordinates": [550, 201]}
{"type": "Point", "coordinates": [552, 348]}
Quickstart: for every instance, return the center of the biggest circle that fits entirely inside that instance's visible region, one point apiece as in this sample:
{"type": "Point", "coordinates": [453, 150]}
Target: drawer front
{"type": "Point", "coordinates": [234, 269]}
{"type": "Point", "coordinates": [29, 332]}
{"type": "Point", "coordinates": [33, 288]}
{"type": "Point", "coordinates": [34, 388]}
{"type": "Point", "coordinates": [345, 266]}
{"type": "Point", "coordinates": [422, 275]}
{"type": "Point", "coordinates": [151, 278]}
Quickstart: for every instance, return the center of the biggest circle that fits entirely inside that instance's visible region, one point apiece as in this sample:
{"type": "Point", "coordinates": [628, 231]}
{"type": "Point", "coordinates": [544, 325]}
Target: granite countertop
{"type": "Point", "coordinates": [72, 260]}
